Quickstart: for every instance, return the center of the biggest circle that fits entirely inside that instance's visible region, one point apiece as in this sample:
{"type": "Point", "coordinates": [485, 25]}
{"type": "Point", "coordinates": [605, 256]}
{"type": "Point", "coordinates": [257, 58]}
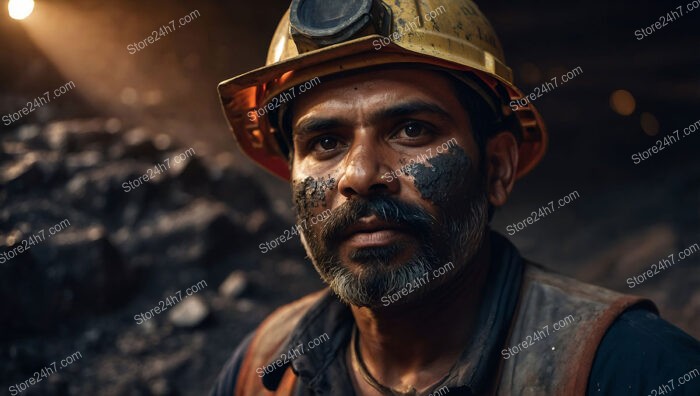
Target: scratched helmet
{"type": "Point", "coordinates": [317, 38]}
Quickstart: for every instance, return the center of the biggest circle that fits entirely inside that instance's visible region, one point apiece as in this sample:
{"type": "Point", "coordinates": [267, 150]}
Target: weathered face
{"type": "Point", "coordinates": [392, 155]}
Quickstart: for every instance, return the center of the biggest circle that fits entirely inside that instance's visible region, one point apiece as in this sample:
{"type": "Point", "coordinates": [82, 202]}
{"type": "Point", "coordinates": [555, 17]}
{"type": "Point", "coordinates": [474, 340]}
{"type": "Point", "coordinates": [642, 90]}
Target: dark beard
{"type": "Point", "coordinates": [456, 240]}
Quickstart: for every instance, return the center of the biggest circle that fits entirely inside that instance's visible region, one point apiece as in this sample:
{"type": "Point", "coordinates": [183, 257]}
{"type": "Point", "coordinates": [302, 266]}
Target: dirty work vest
{"type": "Point", "coordinates": [552, 365]}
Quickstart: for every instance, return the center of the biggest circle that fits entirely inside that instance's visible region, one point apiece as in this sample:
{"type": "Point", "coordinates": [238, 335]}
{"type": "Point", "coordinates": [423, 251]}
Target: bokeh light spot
{"type": "Point", "coordinates": [650, 125]}
{"type": "Point", "coordinates": [622, 102]}
{"type": "Point", "coordinates": [20, 9]}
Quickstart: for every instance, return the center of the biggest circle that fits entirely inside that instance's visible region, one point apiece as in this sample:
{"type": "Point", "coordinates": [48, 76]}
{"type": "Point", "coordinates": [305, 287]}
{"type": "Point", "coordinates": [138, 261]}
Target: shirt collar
{"type": "Point", "coordinates": [475, 368]}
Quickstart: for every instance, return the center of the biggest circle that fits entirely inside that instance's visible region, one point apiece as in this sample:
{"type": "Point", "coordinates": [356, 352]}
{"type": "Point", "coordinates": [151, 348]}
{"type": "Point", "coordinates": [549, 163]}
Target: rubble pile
{"type": "Point", "coordinates": [104, 243]}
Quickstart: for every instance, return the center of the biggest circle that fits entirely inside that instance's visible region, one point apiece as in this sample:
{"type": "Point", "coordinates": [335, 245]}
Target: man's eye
{"type": "Point", "coordinates": [413, 130]}
{"type": "Point", "coordinates": [325, 143]}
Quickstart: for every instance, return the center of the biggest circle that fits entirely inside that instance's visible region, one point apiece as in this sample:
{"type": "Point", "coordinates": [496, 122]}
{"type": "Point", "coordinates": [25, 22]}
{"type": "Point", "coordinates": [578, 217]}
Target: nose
{"type": "Point", "coordinates": [366, 172]}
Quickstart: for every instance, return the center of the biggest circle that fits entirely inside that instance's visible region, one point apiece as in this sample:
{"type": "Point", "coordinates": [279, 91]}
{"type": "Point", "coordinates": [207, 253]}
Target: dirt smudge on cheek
{"type": "Point", "coordinates": [447, 174]}
{"type": "Point", "coordinates": [310, 193]}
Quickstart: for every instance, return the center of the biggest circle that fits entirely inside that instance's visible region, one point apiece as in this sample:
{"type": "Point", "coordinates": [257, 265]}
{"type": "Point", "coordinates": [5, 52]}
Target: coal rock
{"type": "Point", "coordinates": [239, 191]}
{"type": "Point", "coordinates": [130, 240]}
{"type": "Point", "coordinates": [31, 136]}
{"type": "Point", "coordinates": [21, 176]}
{"type": "Point", "coordinates": [234, 285]}
{"type": "Point", "coordinates": [138, 144]}
{"type": "Point", "coordinates": [197, 234]}
{"type": "Point", "coordinates": [83, 160]}
{"type": "Point", "coordinates": [189, 313]}
{"type": "Point", "coordinates": [161, 387]}
{"type": "Point", "coordinates": [79, 135]}
{"type": "Point", "coordinates": [107, 189]}
{"type": "Point", "coordinates": [190, 173]}
{"type": "Point", "coordinates": [73, 272]}
{"type": "Point", "coordinates": [31, 215]}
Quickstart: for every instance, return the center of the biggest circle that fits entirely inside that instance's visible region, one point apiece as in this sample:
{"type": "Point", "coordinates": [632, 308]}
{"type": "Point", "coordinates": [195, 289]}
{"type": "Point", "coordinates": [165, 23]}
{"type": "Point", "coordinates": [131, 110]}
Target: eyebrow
{"type": "Point", "coordinates": [319, 124]}
{"type": "Point", "coordinates": [410, 108]}
{"type": "Point", "coordinates": [314, 125]}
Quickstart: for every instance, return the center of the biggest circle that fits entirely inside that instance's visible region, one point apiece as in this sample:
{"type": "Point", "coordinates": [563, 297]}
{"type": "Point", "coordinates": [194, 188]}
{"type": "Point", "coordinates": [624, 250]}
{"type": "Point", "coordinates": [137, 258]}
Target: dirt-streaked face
{"type": "Point", "coordinates": [393, 155]}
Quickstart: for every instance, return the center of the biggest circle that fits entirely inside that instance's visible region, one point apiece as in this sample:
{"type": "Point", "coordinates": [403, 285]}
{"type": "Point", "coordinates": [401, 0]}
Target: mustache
{"type": "Point", "coordinates": [414, 218]}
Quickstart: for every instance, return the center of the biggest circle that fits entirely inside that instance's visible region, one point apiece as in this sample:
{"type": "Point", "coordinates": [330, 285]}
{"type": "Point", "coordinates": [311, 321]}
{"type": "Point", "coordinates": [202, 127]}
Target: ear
{"type": "Point", "coordinates": [502, 164]}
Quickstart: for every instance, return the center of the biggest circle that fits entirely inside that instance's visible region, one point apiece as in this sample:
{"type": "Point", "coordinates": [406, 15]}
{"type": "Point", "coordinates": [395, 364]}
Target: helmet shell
{"type": "Point", "coordinates": [454, 35]}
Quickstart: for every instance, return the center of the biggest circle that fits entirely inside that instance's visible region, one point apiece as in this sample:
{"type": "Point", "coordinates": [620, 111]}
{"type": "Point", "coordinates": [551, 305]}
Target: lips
{"type": "Point", "coordinates": [372, 225]}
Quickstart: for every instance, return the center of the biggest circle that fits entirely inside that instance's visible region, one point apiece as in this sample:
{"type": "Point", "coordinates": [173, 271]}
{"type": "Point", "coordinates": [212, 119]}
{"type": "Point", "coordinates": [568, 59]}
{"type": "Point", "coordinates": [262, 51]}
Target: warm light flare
{"type": "Point", "coordinates": [20, 9]}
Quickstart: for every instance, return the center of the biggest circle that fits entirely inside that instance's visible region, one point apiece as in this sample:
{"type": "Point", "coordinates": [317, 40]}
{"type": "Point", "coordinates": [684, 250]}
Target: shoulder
{"type": "Point", "coordinates": [274, 330]}
{"type": "Point", "coordinates": [642, 354]}
{"type": "Point", "coordinates": [226, 381]}
{"type": "Point", "coordinates": [282, 320]}
{"type": "Point", "coordinates": [577, 314]}
{"type": "Point", "coordinates": [551, 282]}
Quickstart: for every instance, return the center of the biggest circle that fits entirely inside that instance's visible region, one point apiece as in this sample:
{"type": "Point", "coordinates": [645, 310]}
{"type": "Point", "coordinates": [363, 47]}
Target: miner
{"type": "Point", "coordinates": [494, 322]}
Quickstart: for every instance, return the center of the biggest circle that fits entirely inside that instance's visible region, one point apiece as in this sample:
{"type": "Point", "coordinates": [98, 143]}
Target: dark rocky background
{"type": "Point", "coordinates": [203, 218]}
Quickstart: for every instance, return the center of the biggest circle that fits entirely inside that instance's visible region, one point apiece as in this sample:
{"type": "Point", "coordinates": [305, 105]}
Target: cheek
{"type": "Point", "coordinates": [310, 193]}
{"type": "Point", "coordinates": [446, 179]}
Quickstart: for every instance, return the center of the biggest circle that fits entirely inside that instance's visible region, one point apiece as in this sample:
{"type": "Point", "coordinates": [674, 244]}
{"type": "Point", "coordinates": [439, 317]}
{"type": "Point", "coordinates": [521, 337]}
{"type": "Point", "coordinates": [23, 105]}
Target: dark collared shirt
{"type": "Point", "coordinates": [322, 370]}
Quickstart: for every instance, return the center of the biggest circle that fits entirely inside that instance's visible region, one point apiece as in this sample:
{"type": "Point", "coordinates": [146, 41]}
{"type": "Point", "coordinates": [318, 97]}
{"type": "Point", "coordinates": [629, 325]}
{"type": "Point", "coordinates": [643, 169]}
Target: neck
{"type": "Point", "coordinates": [417, 342]}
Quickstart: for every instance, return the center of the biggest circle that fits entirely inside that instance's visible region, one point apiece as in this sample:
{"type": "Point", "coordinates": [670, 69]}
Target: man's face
{"type": "Point", "coordinates": [393, 155]}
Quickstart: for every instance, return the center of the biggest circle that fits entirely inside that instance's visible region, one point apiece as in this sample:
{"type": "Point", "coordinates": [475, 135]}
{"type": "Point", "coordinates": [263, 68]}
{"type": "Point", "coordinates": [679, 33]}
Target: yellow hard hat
{"type": "Point", "coordinates": [317, 38]}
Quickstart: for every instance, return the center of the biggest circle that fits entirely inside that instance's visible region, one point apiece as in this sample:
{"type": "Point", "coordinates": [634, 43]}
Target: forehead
{"type": "Point", "coordinates": [371, 91]}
